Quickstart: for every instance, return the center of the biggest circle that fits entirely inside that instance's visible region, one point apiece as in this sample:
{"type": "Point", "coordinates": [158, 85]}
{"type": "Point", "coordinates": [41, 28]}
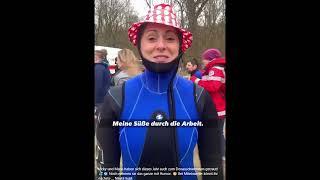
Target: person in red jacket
{"type": "Point", "coordinates": [213, 80]}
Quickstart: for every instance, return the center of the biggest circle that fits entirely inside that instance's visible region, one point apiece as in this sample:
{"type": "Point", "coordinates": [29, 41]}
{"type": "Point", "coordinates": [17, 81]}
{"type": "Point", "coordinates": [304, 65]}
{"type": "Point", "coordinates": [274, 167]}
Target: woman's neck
{"type": "Point", "coordinates": [158, 82]}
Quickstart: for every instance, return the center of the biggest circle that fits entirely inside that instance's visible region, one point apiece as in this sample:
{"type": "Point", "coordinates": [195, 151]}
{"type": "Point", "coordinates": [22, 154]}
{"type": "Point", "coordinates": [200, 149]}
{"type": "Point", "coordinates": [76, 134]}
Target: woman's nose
{"type": "Point", "coordinates": [161, 44]}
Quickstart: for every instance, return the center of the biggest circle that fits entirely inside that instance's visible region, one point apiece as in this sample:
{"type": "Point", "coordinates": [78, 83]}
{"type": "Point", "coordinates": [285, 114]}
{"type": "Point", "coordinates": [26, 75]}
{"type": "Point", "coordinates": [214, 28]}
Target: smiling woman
{"type": "Point", "coordinates": [160, 43]}
{"type": "Point", "coordinates": [159, 47]}
{"type": "Point", "coordinates": [160, 95]}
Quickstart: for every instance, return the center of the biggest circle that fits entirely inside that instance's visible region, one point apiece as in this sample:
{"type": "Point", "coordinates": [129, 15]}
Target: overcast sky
{"type": "Point", "coordinates": [140, 6]}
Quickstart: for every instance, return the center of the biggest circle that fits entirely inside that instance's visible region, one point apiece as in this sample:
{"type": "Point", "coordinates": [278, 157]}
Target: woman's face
{"type": "Point", "coordinates": [159, 43]}
{"type": "Point", "coordinates": [205, 62]}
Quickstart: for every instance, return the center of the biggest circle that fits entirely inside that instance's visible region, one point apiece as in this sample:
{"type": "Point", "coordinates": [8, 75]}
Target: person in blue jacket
{"type": "Point", "coordinates": [193, 68]}
{"type": "Point", "coordinates": [102, 77]}
{"type": "Point", "coordinates": [159, 96]}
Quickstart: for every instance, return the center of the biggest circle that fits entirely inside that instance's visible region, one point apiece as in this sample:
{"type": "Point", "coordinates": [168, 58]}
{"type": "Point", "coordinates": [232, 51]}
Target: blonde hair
{"type": "Point", "coordinates": [130, 63]}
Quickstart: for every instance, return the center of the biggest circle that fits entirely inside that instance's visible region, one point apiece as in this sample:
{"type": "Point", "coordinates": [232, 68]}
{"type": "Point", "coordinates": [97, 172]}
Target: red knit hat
{"type": "Point", "coordinates": [211, 54]}
{"type": "Point", "coordinates": [161, 14]}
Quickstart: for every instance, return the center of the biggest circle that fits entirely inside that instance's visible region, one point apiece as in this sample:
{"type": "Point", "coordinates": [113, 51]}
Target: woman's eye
{"type": "Point", "coordinates": [171, 38]}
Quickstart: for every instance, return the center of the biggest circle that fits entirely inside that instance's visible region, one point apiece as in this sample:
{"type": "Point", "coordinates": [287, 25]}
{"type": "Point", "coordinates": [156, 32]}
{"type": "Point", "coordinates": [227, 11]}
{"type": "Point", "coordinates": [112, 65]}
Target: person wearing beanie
{"type": "Point", "coordinates": [213, 80]}
{"type": "Point", "coordinates": [159, 96]}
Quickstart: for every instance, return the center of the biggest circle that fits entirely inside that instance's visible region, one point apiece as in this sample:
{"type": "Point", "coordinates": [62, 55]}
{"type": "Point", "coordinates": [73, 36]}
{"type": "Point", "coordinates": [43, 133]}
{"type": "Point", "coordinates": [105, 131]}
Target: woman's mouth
{"type": "Point", "coordinates": [161, 58]}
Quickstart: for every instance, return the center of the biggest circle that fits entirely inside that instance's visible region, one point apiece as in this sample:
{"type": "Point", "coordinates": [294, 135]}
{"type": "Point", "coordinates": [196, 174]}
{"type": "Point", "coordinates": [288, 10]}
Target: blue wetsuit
{"type": "Point", "coordinates": [146, 98]}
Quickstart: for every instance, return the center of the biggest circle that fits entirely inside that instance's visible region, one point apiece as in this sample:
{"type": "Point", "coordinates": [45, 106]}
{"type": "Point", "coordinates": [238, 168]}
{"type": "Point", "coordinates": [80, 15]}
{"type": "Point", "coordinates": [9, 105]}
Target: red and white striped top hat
{"type": "Point", "coordinates": [161, 14]}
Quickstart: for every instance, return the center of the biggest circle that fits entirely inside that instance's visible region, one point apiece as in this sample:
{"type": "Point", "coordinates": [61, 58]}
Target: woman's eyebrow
{"type": "Point", "coordinates": [171, 33]}
{"type": "Point", "coordinates": [151, 30]}
{"type": "Point", "coordinates": [169, 30]}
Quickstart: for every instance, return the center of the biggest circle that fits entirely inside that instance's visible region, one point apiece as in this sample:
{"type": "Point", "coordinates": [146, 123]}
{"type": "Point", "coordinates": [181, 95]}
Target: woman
{"type": "Point", "coordinates": [128, 65]}
{"type": "Point", "coordinates": [159, 95]}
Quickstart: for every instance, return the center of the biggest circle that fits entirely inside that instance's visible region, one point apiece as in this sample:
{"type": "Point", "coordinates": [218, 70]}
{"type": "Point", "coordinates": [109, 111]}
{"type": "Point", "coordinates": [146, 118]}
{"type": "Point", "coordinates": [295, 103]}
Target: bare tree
{"type": "Point", "coordinates": [204, 18]}
{"type": "Point", "coordinates": [181, 7]}
{"type": "Point", "coordinates": [113, 18]}
{"type": "Point", "coordinates": [189, 12]}
{"type": "Point", "coordinates": [213, 28]}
